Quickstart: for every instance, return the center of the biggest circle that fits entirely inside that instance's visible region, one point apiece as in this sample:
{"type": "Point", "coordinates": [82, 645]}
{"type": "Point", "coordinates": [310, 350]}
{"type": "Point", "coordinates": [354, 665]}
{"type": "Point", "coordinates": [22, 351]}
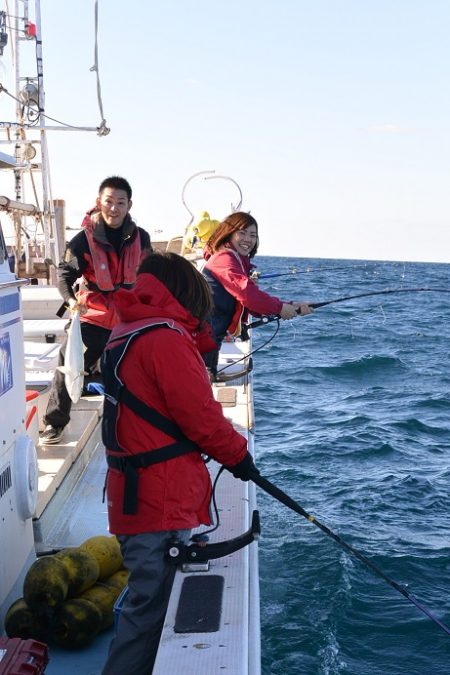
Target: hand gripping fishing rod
{"type": "Point", "coordinates": [282, 497]}
{"type": "Point", "coordinates": [315, 305]}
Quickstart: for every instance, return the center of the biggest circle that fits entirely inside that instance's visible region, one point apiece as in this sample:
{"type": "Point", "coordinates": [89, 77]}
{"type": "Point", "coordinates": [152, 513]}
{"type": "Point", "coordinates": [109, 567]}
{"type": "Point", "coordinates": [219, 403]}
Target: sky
{"type": "Point", "coordinates": [333, 116]}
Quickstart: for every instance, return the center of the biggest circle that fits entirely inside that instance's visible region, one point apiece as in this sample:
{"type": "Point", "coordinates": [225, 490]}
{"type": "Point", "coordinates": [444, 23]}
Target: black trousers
{"type": "Point", "coordinates": [134, 648]}
{"type": "Point", "coordinates": [211, 360]}
{"type": "Point", "coordinates": [59, 404]}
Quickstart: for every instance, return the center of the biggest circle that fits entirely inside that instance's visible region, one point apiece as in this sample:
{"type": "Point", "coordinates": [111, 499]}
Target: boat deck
{"type": "Point", "coordinates": [67, 460]}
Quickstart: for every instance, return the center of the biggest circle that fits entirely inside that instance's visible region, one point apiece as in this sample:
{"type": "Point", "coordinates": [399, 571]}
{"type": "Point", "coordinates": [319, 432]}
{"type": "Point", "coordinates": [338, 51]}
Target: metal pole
{"type": "Point", "coordinates": [18, 183]}
{"type": "Point", "coordinates": [47, 213]}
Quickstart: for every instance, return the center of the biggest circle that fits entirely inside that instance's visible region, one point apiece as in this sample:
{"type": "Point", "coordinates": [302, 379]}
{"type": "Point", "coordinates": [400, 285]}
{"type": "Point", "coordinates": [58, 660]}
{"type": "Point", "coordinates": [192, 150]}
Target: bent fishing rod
{"type": "Point", "coordinates": [315, 305]}
{"type": "Point", "coordinates": [282, 497]}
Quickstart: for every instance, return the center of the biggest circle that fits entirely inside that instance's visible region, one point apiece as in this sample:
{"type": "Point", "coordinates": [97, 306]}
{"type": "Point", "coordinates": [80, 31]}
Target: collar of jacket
{"type": "Point", "coordinates": [98, 227]}
{"type": "Point", "coordinates": [150, 298]}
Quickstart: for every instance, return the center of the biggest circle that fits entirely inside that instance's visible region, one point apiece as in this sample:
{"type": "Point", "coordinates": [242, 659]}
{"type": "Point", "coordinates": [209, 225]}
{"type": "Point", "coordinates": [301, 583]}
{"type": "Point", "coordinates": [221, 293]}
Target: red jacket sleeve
{"type": "Point", "coordinates": [227, 269]}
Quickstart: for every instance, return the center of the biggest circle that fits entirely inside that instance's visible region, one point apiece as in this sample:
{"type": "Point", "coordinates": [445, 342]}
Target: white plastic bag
{"type": "Point", "coordinates": [73, 368]}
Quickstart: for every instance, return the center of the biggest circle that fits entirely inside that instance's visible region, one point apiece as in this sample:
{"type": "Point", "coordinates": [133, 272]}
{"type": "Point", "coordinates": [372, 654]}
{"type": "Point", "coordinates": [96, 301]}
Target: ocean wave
{"type": "Point", "coordinates": [413, 426]}
{"type": "Point", "coordinates": [364, 365]}
{"type": "Point", "coordinates": [433, 401]}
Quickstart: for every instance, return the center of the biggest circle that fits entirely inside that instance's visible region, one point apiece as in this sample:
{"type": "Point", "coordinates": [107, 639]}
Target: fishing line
{"type": "Point", "coordinates": [200, 536]}
{"type": "Point", "coordinates": [246, 356]}
{"type": "Point", "coordinates": [282, 497]}
{"type": "Point", "coordinates": [272, 275]}
{"type": "Point", "coordinates": [315, 305]}
{"type": "Point", "coordinates": [294, 270]}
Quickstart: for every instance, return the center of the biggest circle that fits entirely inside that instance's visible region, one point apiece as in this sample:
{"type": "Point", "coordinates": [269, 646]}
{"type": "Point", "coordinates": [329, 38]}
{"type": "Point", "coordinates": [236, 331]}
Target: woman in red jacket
{"type": "Point", "coordinates": [229, 252]}
{"type": "Point", "coordinates": [159, 404]}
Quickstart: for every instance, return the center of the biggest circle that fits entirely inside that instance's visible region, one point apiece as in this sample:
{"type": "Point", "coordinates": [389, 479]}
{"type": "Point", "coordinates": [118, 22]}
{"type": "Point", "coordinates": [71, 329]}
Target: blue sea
{"type": "Point", "coordinates": [352, 412]}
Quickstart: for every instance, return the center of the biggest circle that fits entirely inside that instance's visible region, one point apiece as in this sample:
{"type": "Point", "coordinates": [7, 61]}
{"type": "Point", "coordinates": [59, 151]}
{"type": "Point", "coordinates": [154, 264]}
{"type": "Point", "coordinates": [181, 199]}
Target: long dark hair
{"type": "Point", "coordinates": [185, 283]}
{"type": "Point", "coordinates": [232, 223]}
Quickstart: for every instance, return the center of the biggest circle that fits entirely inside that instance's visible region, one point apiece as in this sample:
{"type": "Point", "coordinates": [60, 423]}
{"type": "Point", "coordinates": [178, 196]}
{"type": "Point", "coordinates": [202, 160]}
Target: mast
{"type": "Point", "coordinates": [38, 228]}
{"type": "Point", "coordinates": [27, 134]}
{"type": "Point", "coordinates": [48, 213]}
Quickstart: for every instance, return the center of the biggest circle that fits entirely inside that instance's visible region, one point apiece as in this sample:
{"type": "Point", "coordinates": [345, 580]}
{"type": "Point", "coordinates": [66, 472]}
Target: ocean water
{"type": "Point", "coordinates": [353, 421]}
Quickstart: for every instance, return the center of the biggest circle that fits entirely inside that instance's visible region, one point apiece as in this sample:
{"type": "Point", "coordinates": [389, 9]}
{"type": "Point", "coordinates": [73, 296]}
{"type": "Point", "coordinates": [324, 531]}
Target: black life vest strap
{"type": "Point", "coordinates": [129, 465]}
{"type": "Point", "coordinates": [117, 393]}
{"type": "Point", "coordinates": [92, 286]}
{"type": "Point", "coordinates": [150, 414]}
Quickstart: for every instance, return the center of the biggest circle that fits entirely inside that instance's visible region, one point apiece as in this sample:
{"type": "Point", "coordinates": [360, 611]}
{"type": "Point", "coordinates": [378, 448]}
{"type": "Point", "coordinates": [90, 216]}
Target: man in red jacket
{"type": "Point", "coordinates": [106, 254]}
{"type": "Point", "coordinates": [159, 403]}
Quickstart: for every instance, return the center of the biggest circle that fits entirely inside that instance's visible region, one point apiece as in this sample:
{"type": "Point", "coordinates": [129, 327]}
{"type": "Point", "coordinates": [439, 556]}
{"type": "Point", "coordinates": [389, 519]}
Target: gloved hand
{"type": "Point", "coordinates": [244, 468]}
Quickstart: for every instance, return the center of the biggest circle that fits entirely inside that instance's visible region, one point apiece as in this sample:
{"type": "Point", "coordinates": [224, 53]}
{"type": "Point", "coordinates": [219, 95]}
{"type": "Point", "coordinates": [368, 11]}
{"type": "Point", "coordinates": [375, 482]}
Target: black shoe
{"type": "Point", "coordinates": [51, 435]}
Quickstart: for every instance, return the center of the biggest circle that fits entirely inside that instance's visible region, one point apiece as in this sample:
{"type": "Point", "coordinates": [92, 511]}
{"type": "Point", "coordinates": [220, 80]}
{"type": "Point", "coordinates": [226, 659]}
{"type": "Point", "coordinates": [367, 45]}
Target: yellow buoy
{"type": "Point", "coordinates": [106, 550]}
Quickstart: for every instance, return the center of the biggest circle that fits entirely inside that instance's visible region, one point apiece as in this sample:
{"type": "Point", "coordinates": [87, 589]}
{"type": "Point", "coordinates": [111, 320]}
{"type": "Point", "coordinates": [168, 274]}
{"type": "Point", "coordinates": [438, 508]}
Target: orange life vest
{"type": "Point", "coordinates": [129, 262]}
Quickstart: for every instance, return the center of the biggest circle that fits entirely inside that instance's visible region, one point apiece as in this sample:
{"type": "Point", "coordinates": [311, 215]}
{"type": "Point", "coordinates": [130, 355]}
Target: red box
{"type": "Point", "coordinates": [22, 657]}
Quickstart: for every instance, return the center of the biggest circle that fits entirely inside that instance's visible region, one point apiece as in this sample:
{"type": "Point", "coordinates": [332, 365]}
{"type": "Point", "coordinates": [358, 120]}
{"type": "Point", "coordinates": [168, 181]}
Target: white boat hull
{"type": "Point", "coordinates": [18, 464]}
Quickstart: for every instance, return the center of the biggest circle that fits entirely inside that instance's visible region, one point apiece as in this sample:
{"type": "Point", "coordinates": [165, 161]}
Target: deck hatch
{"type": "Point", "coordinates": [227, 397]}
{"type": "Point", "coordinates": [200, 604]}
{"type": "Point", "coordinates": [5, 480]}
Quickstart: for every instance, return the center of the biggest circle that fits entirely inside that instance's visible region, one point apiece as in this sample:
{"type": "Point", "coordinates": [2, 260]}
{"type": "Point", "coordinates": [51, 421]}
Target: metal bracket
{"type": "Point", "coordinates": [201, 553]}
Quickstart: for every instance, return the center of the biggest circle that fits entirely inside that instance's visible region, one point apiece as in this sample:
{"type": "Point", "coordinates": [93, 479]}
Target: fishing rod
{"type": "Point", "coordinates": [282, 497]}
{"type": "Point", "coordinates": [315, 305]}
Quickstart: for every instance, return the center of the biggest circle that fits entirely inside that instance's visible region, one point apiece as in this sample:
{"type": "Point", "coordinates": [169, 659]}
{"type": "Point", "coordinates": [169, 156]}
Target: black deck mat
{"type": "Point", "coordinates": [200, 604]}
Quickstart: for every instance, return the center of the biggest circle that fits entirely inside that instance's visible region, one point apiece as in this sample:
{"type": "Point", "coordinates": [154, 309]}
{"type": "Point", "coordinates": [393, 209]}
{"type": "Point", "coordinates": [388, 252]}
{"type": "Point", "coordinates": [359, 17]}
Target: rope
{"type": "Point", "coordinates": [102, 129]}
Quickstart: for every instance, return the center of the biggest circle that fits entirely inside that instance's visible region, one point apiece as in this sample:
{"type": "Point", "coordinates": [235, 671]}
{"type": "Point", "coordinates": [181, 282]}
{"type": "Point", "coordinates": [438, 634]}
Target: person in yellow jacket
{"type": "Point", "coordinates": [199, 232]}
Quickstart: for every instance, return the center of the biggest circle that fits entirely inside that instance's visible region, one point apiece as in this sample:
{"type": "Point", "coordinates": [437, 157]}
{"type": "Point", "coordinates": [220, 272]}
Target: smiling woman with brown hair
{"type": "Point", "coordinates": [229, 252]}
